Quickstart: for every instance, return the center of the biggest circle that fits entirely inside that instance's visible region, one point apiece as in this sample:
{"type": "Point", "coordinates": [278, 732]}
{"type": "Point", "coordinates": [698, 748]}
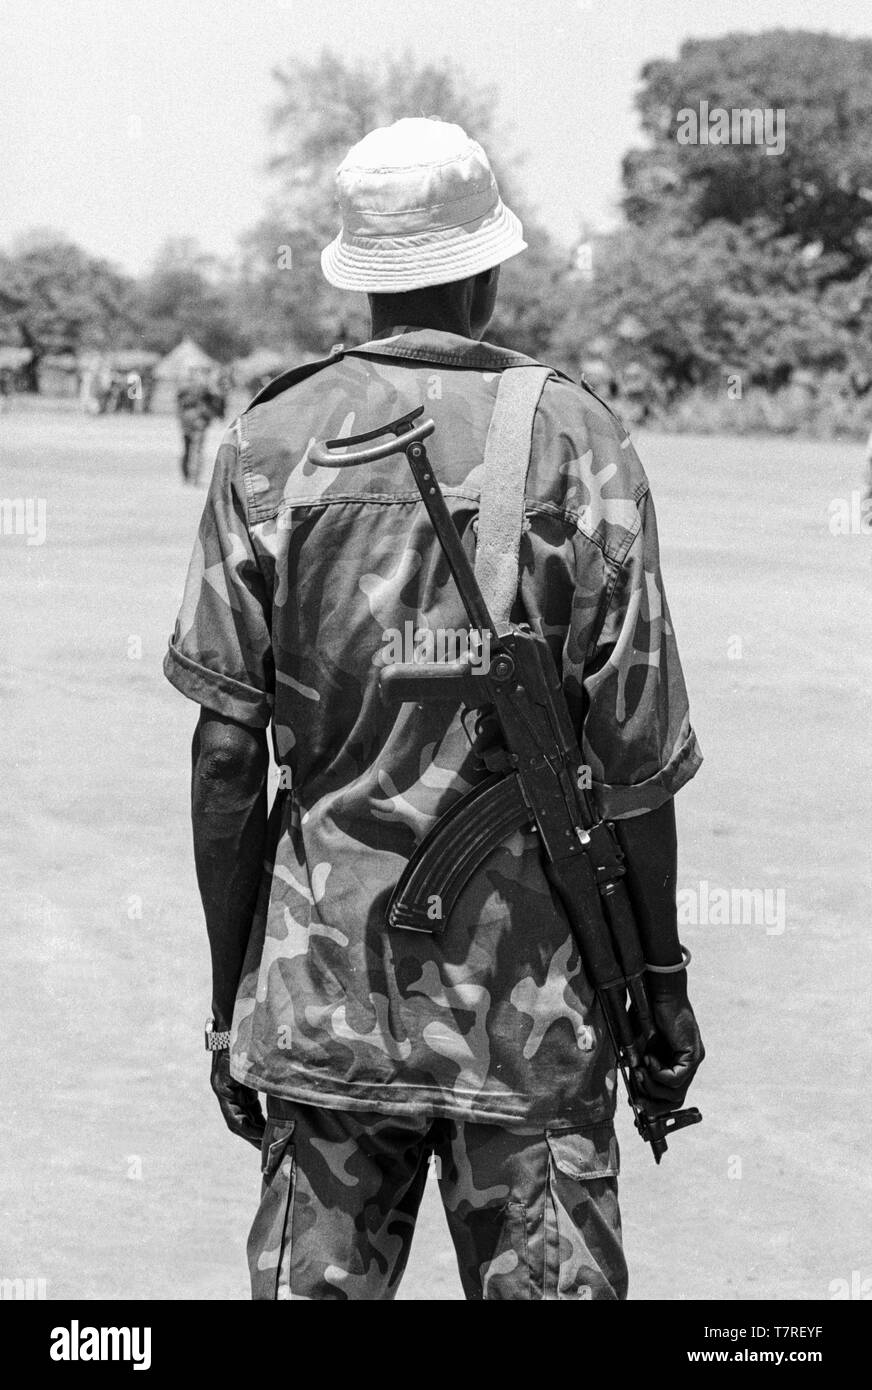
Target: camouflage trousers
{"type": "Point", "coordinates": [533, 1214]}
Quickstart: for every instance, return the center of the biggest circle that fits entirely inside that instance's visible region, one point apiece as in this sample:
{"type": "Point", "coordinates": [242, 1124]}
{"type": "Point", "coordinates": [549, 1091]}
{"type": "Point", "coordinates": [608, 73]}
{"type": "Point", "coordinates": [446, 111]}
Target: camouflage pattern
{"type": "Point", "coordinates": [533, 1214]}
{"type": "Point", "coordinates": [298, 573]}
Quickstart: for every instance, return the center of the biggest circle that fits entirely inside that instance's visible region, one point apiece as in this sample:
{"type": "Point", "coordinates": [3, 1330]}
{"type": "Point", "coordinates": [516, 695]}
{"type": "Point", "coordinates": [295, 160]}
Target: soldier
{"type": "Point", "coordinates": [196, 406]}
{"type": "Point", "coordinates": [377, 1048]}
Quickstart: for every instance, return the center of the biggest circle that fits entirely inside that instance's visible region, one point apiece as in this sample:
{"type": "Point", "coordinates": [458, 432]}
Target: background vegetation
{"type": "Point", "coordinates": [733, 271]}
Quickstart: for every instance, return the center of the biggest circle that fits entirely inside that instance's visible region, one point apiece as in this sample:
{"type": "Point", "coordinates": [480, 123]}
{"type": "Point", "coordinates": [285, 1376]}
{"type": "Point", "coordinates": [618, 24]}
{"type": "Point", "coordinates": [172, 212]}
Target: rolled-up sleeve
{"type": "Point", "coordinates": [220, 654]}
{"type": "Point", "coordinates": [636, 736]}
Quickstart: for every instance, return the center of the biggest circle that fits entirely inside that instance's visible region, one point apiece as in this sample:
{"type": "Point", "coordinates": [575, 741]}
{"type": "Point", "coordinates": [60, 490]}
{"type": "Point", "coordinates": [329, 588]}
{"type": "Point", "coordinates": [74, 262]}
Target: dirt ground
{"type": "Point", "coordinates": [118, 1179]}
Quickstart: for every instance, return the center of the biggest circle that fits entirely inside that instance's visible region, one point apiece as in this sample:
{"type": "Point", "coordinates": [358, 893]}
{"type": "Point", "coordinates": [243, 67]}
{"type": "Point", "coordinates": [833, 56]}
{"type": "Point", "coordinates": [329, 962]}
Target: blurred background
{"type": "Point", "coordinates": [167, 187]}
{"type": "Point", "coordinates": [165, 191]}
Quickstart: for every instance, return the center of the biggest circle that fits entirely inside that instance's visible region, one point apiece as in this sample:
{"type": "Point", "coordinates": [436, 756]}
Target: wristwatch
{"type": "Point", "coordinates": [216, 1041]}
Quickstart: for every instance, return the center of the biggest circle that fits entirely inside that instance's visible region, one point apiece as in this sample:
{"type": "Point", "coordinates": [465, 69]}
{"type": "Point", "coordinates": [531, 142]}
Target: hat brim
{"type": "Point", "coordinates": [392, 264]}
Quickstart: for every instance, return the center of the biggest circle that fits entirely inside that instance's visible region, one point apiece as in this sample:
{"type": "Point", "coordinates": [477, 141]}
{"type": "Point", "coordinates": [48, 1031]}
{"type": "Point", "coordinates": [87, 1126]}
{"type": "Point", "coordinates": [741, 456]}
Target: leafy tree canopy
{"type": "Point", "coordinates": [819, 189]}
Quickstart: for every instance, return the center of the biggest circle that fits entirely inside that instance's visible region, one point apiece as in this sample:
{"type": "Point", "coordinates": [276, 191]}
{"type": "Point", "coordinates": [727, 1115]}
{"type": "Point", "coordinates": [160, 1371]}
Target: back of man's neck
{"type": "Point", "coordinates": [386, 328]}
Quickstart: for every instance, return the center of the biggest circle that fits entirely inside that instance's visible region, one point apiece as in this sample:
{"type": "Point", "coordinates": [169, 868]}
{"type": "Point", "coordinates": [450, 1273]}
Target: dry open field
{"type": "Point", "coordinates": [118, 1179]}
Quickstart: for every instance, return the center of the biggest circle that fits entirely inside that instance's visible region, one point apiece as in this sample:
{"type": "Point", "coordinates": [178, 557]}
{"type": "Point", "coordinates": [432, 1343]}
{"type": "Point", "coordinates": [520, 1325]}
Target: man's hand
{"type": "Point", "coordinates": [675, 1052]}
{"type": "Point", "coordinates": [239, 1104]}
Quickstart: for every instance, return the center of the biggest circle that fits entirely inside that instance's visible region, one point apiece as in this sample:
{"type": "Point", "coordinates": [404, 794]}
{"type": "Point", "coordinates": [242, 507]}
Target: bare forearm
{"type": "Point", "coordinates": [229, 813]}
{"type": "Point", "coordinates": [674, 1051]}
{"type": "Point", "coordinates": [650, 846]}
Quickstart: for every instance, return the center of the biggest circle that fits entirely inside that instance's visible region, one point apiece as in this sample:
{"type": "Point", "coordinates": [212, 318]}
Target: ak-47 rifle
{"type": "Point", "coordinates": [537, 778]}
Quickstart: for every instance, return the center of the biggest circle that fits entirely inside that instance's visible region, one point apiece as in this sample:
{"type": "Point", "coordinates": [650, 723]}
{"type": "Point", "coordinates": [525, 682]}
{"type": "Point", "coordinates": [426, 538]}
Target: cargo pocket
{"type": "Point", "coordinates": [269, 1243]}
{"type": "Point", "coordinates": [584, 1255]}
{"type": "Point", "coordinates": [506, 1276]}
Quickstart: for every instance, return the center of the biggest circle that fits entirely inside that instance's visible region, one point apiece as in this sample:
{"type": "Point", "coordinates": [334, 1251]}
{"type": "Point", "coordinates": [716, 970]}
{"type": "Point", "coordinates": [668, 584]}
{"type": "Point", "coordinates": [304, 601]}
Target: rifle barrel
{"type": "Point", "coordinates": [443, 524]}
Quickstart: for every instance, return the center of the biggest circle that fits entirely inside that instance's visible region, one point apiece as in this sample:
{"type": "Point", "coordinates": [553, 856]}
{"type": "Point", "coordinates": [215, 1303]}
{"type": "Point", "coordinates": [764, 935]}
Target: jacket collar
{"type": "Point", "coordinates": [433, 345]}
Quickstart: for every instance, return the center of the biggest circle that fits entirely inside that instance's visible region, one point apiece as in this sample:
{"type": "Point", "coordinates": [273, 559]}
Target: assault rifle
{"type": "Point", "coordinates": [536, 778]}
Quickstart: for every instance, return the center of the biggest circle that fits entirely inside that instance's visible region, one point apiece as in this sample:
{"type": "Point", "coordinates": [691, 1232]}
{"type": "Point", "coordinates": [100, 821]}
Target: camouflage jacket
{"type": "Point", "coordinates": [301, 581]}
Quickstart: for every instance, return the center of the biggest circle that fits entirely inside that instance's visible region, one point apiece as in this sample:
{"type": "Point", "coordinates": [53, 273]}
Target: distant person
{"type": "Point", "coordinates": [117, 398]}
{"type": "Point", "coordinates": [196, 405]}
{"type": "Point", "coordinates": [103, 388]}
{"type": "Point", "coordinates": [223, 387]}
{"type": "Point", "coordinates": [149, 383]}
{"type": "Point", "coordinates": [635, 390]}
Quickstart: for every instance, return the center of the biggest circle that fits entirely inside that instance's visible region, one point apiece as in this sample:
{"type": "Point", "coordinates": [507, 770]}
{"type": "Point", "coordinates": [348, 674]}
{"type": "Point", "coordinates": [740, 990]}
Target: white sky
{"type": "Point", "coordinates": [127, 121]}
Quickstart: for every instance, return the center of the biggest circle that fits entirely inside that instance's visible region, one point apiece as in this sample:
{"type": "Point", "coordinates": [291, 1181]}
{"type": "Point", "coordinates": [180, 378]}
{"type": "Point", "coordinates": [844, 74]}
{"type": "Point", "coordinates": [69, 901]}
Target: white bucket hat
{"type": "Point", "coordinates": [420, 206]}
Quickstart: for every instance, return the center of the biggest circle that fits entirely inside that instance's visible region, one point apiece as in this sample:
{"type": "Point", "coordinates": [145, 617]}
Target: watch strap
{"type": "Point", "coordinates": [217, 1040]}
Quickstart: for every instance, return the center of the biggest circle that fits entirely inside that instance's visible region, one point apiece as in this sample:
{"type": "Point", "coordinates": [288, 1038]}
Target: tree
{"type": "Point", "coordinates": [54, 297]}
{"type": "Point", "coordinates": [735, 260]}
{"type": "Point", "coordinates": [819, 189]}
{"type": "Point", "coordinates": [725, 300]}
{"type": "Point", "coordinates": [190, 294]}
